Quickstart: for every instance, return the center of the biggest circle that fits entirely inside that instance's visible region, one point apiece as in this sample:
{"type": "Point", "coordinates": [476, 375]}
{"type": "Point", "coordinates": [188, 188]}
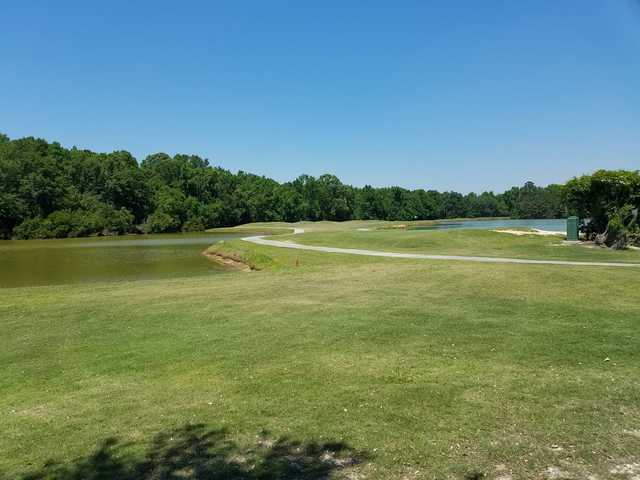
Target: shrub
{"type": "Point", "coordinates": [29, 228]}
{"type": "Point", "coordinates": [193, 225]}
{"type": "Point", "coordinates": [601, 195]}
{"type": "Point", "coordinates": [623, 228]}
{"type": "Point", "coordinates": [161, 222]}
{"type": "Point", "coordinates": [117, 221]}
{"type": "Point", "coordinates": [105, 220]}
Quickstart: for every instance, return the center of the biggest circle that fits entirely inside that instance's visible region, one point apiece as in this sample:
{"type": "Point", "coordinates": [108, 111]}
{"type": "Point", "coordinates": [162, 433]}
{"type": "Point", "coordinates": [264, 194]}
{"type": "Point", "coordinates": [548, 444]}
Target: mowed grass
{"type": "Point", "coordinates": [468, 242]}
{"type": "Point", "coordinates": [434, 369]}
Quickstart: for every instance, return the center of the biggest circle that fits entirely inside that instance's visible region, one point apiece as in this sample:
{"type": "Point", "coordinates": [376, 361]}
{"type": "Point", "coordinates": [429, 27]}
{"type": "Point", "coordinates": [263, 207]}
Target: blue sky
{"type": "Point", "coordinates": [448, 95]}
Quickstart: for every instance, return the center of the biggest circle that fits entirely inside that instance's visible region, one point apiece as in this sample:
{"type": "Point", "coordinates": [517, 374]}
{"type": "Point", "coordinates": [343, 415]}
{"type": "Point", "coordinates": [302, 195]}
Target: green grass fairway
{"type": "Point", "coordinates": [467, 242]}
{"type": "Point", "coordinates": [406, 369]}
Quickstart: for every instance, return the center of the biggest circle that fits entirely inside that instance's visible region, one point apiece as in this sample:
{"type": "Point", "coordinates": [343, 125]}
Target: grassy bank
{"type": "Point", "coordinates": [404, 369]}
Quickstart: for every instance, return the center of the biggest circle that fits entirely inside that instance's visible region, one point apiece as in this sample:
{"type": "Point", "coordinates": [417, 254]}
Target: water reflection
{"type": "Point", "coordinates": [555, 225]}
{"type": "Point", "coordinates": [49, 262]}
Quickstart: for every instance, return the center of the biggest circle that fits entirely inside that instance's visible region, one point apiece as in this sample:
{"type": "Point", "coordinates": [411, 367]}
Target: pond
{"type": "Point", "coordinates": [80, 260]}
{"type": "Point", "coordinates": [554, 225]}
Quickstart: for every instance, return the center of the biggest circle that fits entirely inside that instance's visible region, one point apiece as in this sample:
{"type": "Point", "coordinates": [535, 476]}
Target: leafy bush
{"type": "Point", "coordinates": [29, 228]}
{"type": "Point", "coordinates": [623, 228]}
{"type": "Point", "coordinates": [106, 220]}
{"type": "Point", "coordinates": [161, 223]}
{"type": "Point", "coordinates": [601, 195]}
{"type": "Point", "coordinates": [194, 225]}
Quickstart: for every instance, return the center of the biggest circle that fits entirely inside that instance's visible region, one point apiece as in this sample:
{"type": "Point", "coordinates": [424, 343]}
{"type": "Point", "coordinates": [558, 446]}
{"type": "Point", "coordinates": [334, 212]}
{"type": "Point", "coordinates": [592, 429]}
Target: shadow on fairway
{"type": "Point", "coordinates": [197, 452]}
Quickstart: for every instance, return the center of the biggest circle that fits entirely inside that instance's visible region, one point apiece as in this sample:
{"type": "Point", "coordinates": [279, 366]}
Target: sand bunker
{"type": "Point", "coordinates": [533, 231]}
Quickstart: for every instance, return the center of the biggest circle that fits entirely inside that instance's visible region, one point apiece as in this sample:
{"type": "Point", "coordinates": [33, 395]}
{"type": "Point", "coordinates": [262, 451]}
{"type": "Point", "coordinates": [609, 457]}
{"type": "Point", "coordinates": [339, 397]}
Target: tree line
{"type": "Point", "coordinates": [48, 191]}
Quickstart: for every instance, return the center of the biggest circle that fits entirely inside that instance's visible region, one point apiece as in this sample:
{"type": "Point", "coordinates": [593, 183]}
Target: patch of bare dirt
{"type": "Point", "coordinates": [227, 261]}
{"type": "Point", "coordinates": [626, 470]}
{"type": "Point", "coordinates": [502, 472]}
{"type": "Point", "coordinates": [556, 473]}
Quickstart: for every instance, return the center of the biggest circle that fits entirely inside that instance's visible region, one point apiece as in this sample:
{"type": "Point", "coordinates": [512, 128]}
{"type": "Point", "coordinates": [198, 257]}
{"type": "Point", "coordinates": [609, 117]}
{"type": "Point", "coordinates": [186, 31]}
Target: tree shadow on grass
{"type": "Point", "coordinates": [197, 452]}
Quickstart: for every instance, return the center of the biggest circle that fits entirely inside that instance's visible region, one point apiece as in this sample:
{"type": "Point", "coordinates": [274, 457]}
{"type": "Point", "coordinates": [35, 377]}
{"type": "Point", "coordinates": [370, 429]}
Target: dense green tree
{"type": "Point", "coordinates": [531, 201]}
{"type": "Point", "coordinates": [485, 205]}
{"type": "Point", "coordinates": [369, 204]}
{"type": "Point", "coordinates": [47, 191]}
{"type": "Point", "coordinates": [600, 195]}
{"type": "Point", "coordinates": [12, 211]}
{"type": "Point", "coordinates": [453, 205]}
{"type": "Point", "coordinates": [611, 200]}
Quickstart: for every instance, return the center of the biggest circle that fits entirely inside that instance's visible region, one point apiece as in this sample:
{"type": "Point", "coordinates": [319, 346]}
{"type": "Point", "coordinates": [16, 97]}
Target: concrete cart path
{"type": "Point", "coordinates": [261, 240]}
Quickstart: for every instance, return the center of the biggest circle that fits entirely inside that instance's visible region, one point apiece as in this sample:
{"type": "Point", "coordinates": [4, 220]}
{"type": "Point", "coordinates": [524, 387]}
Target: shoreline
{"type": "Point", "coordinates": [228, 261]}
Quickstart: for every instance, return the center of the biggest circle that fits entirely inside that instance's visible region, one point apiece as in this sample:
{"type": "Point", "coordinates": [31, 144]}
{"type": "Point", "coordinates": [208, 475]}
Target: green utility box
{"type": "Point", "coordinates": [572, 229]}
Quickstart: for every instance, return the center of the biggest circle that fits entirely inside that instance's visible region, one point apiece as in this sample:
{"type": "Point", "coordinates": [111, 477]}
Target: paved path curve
{"type": "Point", "coordinates": [261, 240]}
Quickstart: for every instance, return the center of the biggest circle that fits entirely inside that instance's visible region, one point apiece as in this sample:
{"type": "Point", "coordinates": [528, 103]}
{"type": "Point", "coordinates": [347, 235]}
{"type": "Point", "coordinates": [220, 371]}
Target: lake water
{"type": "Point", "coordinates": [80, 260]}
{"type": "Point", "coordinates": [555, 225]}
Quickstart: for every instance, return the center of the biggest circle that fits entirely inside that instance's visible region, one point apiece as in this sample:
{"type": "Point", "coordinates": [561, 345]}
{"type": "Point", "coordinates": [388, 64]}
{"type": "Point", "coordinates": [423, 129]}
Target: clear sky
{"type": "Point", "coordinates": [449, 95]}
